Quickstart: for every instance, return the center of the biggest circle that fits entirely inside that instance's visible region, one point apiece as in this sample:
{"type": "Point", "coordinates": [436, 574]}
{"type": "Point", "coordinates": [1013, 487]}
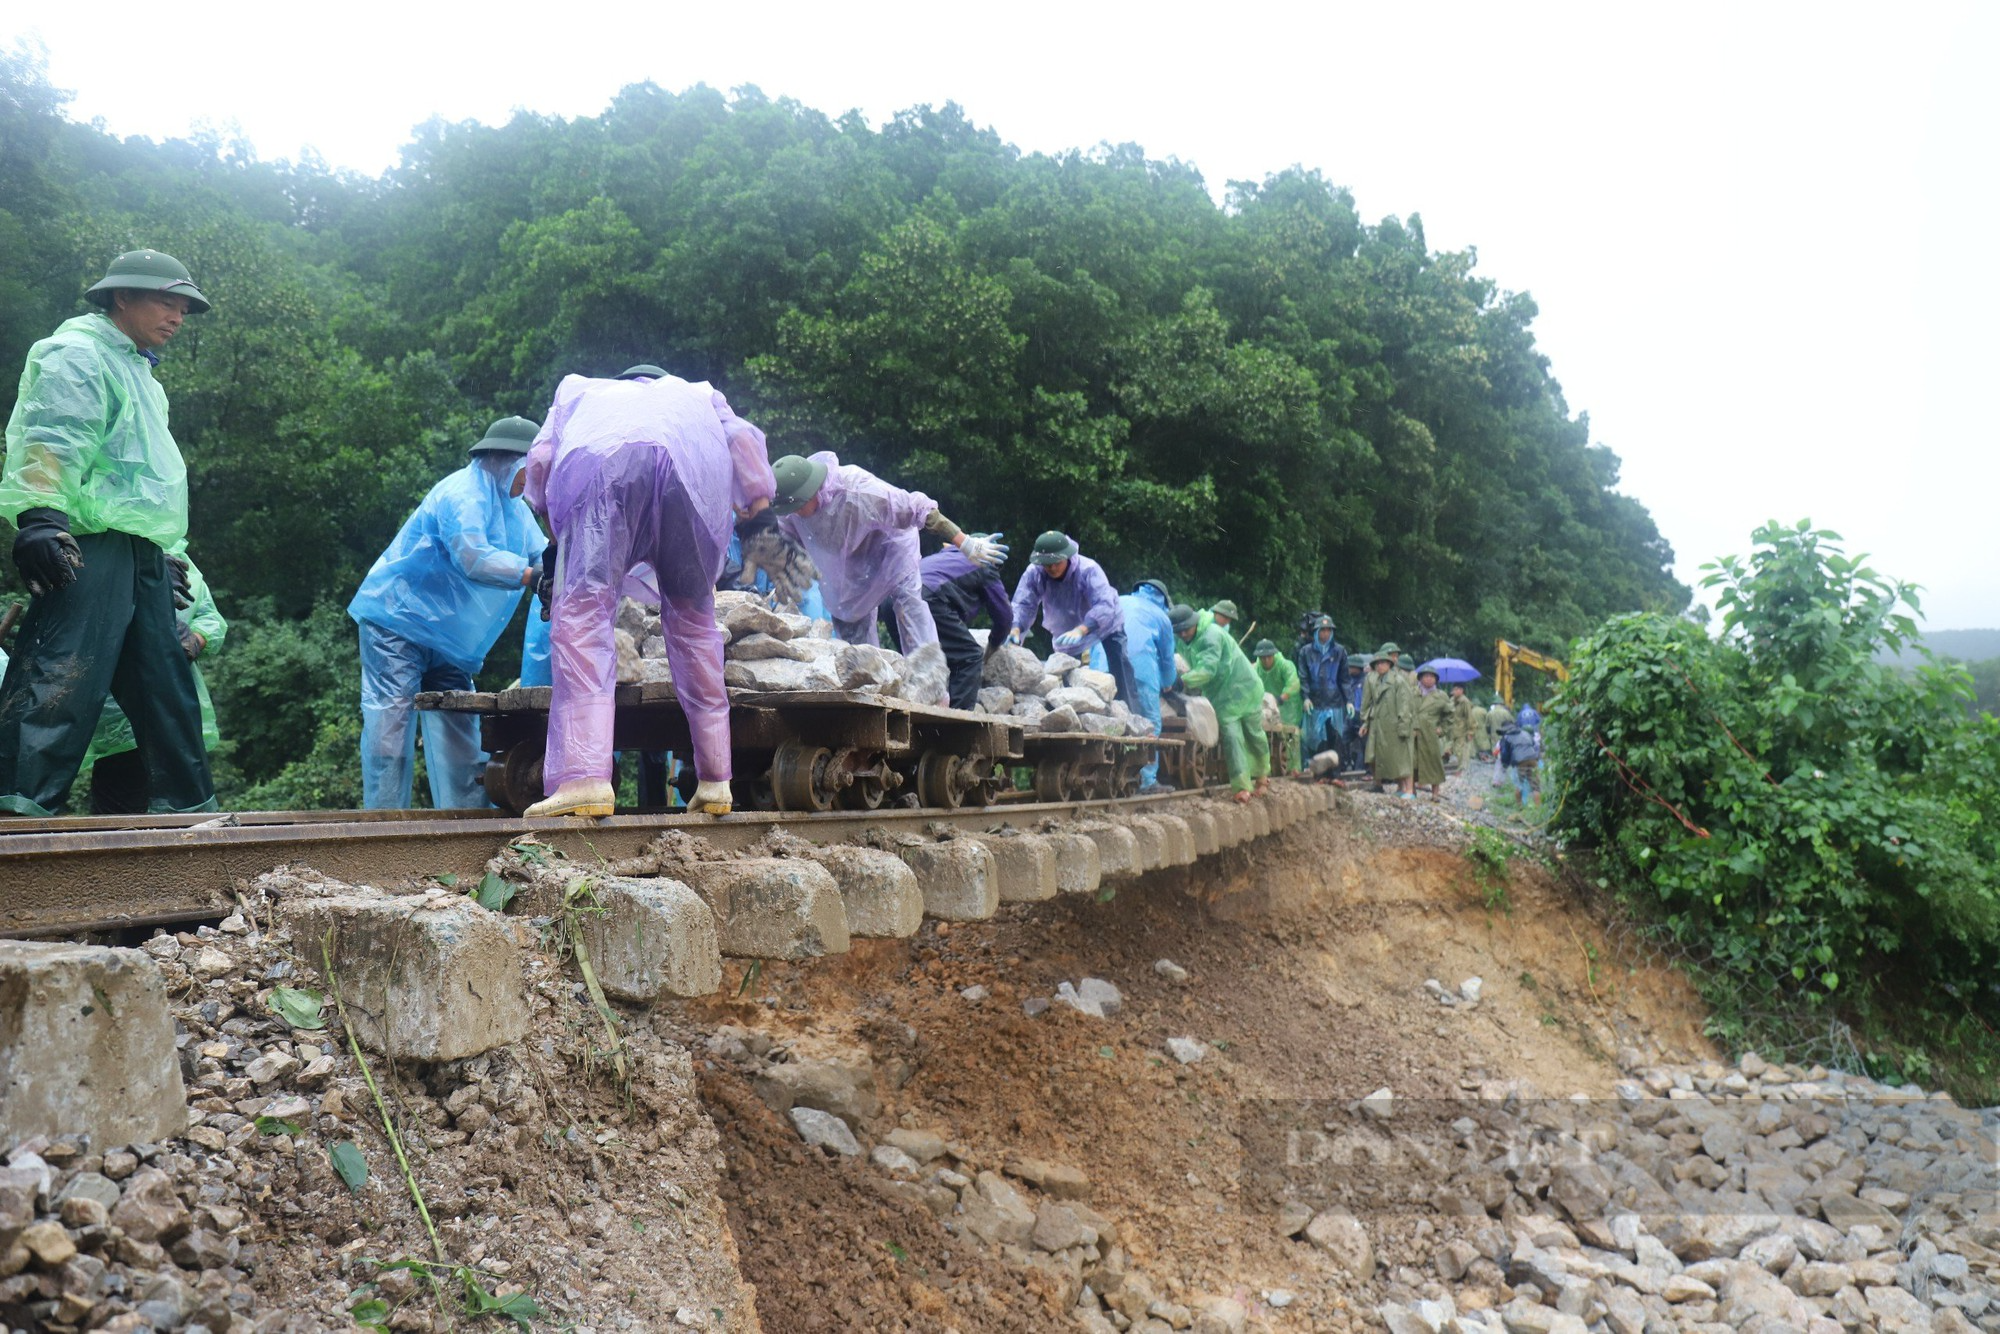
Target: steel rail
{"type": "Point", "coordinates": [63, 877]}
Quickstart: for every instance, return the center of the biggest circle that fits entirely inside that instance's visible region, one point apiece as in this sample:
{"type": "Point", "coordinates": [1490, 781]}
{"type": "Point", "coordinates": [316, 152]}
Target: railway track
{"type": "Point", "coordinates": [88, 874]}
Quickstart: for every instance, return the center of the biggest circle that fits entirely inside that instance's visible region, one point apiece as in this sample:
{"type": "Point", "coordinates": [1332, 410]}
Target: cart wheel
{"type": "Point", "coordinates": [799, 777]}
{"type": "Point", "coordinates": [860, 778]}
{"type": "Point", "coordinates": [514, 777]}
{"type": "Point", "coordinates": [1055, 780]}
{"type": "Point", "coordinates": [938, 780]}
{"type": "Point", "coordinates": [985, 778]}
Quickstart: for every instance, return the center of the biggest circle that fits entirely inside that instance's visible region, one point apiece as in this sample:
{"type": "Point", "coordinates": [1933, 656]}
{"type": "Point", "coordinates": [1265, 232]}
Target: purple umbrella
{"type": "Point", "coordinates": [1451, 671]}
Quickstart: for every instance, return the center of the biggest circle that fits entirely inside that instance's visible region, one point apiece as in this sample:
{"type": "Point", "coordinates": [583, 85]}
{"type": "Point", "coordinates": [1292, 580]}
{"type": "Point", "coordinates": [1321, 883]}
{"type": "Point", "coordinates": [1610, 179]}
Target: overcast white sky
{"type": "Point", "coordinates": [1760, 234]}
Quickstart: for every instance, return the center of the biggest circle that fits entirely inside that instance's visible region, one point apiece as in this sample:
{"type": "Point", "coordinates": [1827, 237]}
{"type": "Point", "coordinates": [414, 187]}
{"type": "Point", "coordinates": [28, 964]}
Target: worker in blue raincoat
{"type": "Point", "coordinates": [1322, 664]}
{"type": "Point", "coordinates": [429, 612]}
{"type": "Point", "coordinates": [1149, 644]}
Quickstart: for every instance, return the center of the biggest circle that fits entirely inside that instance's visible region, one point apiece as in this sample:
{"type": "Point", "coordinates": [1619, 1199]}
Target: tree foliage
{"type": "Point", "coordinates": [1270, 400]}
{"type": "Point", "coordinates": [1810, 816]}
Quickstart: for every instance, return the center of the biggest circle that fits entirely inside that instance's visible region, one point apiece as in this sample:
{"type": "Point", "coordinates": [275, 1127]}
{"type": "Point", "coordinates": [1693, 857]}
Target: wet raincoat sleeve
{"type": "Point", "coordinates": [88, 436]}
{"type": "Point", "coordinates": [464, 524]}
{"type": "Point", "coordinates": [749, 458]}
{"type": "Point", "coordinates": [1101, 613]}
{"type": "Point", "coordinates": [994, 594]}
{"type": "Point", "coordinates": [1028, 598]}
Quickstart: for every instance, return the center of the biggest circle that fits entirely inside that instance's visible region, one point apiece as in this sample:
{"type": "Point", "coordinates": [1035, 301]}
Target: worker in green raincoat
{"type": "Point", "coordinates": [1219, 671]}
{"type": "Point", "coordinates": [1280, 680]}
{"type": "Point", "coordinates": [1390, 722]}
{"type": "Point", "coordinates": [117, 777]}
{"type": "Point", "coordinates": [1433, 715]}
{"type": "Point", "coordinates": [1464, 726]}
{"type": "Point", "coordinates": [97, 490]}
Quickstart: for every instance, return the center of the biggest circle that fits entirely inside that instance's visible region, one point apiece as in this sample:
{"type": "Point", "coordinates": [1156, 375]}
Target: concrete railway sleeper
{"type": "Point", "coordinates": [67, 876]}
{"type": "Point", "coordinates": [431, 975]}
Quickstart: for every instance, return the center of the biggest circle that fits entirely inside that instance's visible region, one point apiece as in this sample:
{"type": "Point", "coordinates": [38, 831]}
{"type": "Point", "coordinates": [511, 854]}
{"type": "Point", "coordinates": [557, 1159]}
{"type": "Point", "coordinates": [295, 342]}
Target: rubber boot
{"type": "Point", "coordinates": [579, 796]}
{"type": "Point", "coordinates": [713, 798]}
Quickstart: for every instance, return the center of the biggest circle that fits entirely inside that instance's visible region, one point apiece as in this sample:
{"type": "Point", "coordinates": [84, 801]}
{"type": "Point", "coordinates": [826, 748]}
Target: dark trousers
{"type": "Point", "coordinates": [961, 652]}
{"type": "Point", "coordinates": [118, 785]}
{"type": "Point", "coordinates": [1121, 668]}
{"type": "Point", "coordinates": [109, 633]}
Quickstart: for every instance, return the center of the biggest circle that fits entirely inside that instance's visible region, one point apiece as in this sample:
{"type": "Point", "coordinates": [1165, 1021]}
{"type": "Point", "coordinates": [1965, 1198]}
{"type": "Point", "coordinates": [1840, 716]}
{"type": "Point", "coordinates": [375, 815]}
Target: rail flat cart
{"type": "Point", "coordinates": [1081, 766]}
{"type": "Point", "coordinates": [792, 751]}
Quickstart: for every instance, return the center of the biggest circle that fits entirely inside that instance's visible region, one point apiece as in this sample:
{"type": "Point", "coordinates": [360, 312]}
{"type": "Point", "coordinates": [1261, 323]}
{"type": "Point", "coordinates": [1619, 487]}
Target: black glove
{"type": "Point", "coordinates": [191, 643]}
{"type": "Point", "coordinates": [545, 582]}
{"type": "Point", "coordinates": [45, 553]}
{"type": "Point", "coordinates": [177, 567]}
{"type": "Point", "coordinates": [1175, 696]}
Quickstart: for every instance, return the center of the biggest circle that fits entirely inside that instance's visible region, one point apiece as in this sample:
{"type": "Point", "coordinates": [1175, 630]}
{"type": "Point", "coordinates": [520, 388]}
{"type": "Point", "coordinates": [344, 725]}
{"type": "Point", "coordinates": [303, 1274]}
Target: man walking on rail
{"type": "Point", "coordinates": [97, 488]}
{"type": "Point", "coordinates": [628, 472]}
{"type": "Point", "coordinates": [1219, 671]}
{"type": "Point", "coordinates": [1078, 606]}
{"type": "Point", "coordinates": [862, 534]}
{"type": "Point", "coordinates": [430, 610]}
{"type": "Point", "coordinates": [956, 590]}
{"type": "Point", "coordinates": [1149, 645]}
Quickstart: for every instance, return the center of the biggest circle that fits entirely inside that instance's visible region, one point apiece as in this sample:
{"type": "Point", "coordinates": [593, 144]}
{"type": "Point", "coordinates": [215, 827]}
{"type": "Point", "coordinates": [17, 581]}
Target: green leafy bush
{"type": "Point", "coordinates": [1814, 821]}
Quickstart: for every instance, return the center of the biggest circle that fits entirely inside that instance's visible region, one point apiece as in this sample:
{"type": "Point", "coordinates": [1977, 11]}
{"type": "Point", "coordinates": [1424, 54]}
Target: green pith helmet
{"type": "Point", "coordinates": [799, 480]}
{"type": "Point", "coordinates": [1387, 649]}
{"type": "Point", "coordinates": [509, 435]}
{"type": "Point", "coordinates": [1431, 672]}
{"type": "Point", "coordinates": [1226, 609]}
{"type": "Point", "coordinates": [1361, 660]}
{"type": "Point", "coordinates": [1265, 649]}
{"type": "Point", "coordinates": [1051, 547]}
{"type": "Point", "coordinates": [147, 271]}
{"type": "Point", "coordinates": [1157, 587]}
{"type": "Point", "coordinates": [1323, 623]}
{"type": "Point", "coordinates": [643, 371]}
{"type": "Point", "coordinates": [1182, 617]}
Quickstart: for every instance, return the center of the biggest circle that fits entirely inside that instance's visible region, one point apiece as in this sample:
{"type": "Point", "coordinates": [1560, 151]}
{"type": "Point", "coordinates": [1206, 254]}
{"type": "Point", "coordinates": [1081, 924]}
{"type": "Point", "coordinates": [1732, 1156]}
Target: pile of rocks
{"type": "Point", "coordinates": [1060, 694]}
{"type": "Point", "coordinates": [1763, 1197]}
{"type": "Point", "coordinates": [1034, 1214]}
{"type": "Point", "coordinates": [767, 650]}
{"type": "Point", "coordinates": [123, 1239]}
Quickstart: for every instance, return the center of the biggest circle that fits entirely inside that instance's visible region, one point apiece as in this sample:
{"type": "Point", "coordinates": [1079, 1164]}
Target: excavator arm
{"type": "Point", "coordinates": [1505, 655]}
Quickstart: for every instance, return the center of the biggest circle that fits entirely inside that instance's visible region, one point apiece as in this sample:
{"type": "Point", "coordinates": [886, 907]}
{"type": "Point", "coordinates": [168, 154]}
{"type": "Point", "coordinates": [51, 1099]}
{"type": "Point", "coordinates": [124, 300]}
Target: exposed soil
{"type": "Point", "coordinates": [1307, 955]}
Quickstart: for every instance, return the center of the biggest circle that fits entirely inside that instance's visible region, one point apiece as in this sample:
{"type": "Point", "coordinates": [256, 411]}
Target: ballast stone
{"type": "Point", "coordinates": [1149, 843]}
{"type": "Point", "coordinates": [771, 907]}
{"type": "Point", "coordinates": [879, 890]}
{"type": "Point", "coordinates": [958, 877]}
{"type": "Point", "coordinates": [1117, 848]}
{"type": "Point", "coordinates": [424, 979]}
{"type": "Point", "coordinates": [86, 1045]}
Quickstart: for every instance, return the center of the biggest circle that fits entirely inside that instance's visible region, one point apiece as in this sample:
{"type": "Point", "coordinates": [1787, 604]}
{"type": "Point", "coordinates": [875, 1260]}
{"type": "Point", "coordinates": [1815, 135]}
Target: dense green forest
{"type": "Point", "coordinates": [1268, 399]}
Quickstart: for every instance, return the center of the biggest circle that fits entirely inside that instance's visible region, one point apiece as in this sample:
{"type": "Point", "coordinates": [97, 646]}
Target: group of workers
{"type": "Point", "coordinates": [649, 486]}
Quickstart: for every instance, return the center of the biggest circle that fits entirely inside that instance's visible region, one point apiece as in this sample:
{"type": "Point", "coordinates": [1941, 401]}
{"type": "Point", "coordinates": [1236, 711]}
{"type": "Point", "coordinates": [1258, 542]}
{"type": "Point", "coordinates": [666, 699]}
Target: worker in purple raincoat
{"type": "Point", "coordinates": [956, 591]}
{"type": "Point", "coordinates": [1078, 606]}
{"type": "Point", "coordinates": [862, 534]}
{"type": "Point", "coordinates": [640, 480]}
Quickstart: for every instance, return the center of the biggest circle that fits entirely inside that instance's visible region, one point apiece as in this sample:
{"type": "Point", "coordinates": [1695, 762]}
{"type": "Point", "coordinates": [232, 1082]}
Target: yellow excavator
{"type": "Point", "coordinates": [1505, 655]}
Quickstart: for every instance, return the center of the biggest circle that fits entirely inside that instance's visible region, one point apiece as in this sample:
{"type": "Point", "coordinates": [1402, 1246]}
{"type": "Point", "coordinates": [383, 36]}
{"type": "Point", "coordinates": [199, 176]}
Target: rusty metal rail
{"type": "Point", "coordinates": [64, 876]}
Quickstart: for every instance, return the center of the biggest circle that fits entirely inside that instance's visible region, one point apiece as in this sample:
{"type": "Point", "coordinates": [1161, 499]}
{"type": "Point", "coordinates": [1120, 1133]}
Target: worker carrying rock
{"type": "Point", "coordinates": [97, 488]}
{"type": "Point", "coordinates": [957, 590]}
{"type": "Point", "coordinates": [1279, 678]}
{"type": "Point", "coordinates": [1078, 607]}
{"type": "Point", "coordinates": [861, 533]}
{"type": "Point", "coordinates": [633, 473]}
{"type": "Point", "coordinates": [430, 610]}
{"type": "Point", "coordinates": [1218, 669]}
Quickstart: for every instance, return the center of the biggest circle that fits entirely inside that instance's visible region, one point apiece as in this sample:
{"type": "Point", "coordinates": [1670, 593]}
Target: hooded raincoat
{"type": "Point", "coordinates": [640, 480]}
{"type": "Point", "coordinates": [1391, 719]}
{"type": "Point", "coordinates": [1218, 669]}
{"type": "Point", "coordinates": [1149, 644]}
{"type": "Point", "coordinates": [89, 437]}
{"type": "Point", "coordinates": [1281, 681]}
{"type": "Point", "coordinates": [863, 538]}
{"type": "Point", "coordinates": [1433, 719]}
{"type": "Point", "coordinates": [1083, 599]}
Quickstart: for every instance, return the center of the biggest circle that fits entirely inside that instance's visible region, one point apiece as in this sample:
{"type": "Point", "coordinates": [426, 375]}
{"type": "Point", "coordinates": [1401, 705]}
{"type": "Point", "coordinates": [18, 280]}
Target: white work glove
{"type": "Point", "coordinates": [984, 550]}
